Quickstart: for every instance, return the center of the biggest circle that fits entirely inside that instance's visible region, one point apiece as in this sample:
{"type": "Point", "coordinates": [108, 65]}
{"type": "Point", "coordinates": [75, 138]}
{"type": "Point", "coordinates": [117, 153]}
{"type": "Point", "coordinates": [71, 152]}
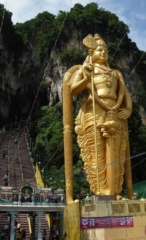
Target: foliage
{"type": "Point", "coordinates": [39, 30]}
{"type": "Point", "coordinates": [137, 139]}
{"type": "Point", "coordinates": [47, 32]}
{"type": "Point", "coordinates": [54, 178]}
{"type": "Point", "coordinates": [140, 70]}
{"type": "Point", "coordinates": [72, 56]}
{"type": "Point", "coordinates": [48, 128]}
{"type": "Point", "coordinates": [140, 97]}
{"type": "Point", "coordinates": [10, 38]}
{"type": "Point", "coordinates": [44, 28]}
{"type": "Point", "coordinates": [49, 147]}
{"type": "Point", "coordinates": [42, 22]}
{"type": "Point", "coordinates": [49, 134]}
{"type": "Point", "coordinates": [112, 62]}
{"type": "Point", "coordinates": [81, 186]}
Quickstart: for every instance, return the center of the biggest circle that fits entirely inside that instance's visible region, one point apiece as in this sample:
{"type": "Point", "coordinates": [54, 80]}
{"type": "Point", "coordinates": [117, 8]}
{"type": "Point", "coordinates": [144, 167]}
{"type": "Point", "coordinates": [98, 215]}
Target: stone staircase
{"type": "Point", "coordinates": [26, 162]}
{"type": "Point", "coordinates": [3, 157]}
{"type": "Point", "coordinates": [17, 163]}
{"type": "Point", "coordinates": [15, 175]}
{"type": "Point", "coordinates": [44, 225]}
{"type": "Point", "coordinates": [22, 219]}
{"type": "Point", "coordinates": [4, 220]}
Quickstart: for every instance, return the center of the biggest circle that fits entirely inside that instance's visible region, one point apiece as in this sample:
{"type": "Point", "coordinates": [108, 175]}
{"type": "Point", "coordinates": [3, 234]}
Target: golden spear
{"type": "Point", "coordinates": [90, 44]}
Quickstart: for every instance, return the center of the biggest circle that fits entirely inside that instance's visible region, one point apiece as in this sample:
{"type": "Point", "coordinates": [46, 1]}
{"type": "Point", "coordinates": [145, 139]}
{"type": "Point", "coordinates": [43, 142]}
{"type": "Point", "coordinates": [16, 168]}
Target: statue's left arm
{"type": "Point", "coordinates": [124, 112]}
{"type": "Point", "coordinates": [80, 81]}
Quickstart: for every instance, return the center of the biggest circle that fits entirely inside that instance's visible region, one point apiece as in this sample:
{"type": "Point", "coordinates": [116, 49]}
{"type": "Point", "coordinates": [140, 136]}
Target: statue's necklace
{"type": "Point", "coordinates": [108, 80]}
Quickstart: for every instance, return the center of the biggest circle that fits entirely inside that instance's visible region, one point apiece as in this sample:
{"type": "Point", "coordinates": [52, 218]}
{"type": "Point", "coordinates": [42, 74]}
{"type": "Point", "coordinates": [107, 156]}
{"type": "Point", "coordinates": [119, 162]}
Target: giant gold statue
{"type": "Point", "coordinates": [101, 124]}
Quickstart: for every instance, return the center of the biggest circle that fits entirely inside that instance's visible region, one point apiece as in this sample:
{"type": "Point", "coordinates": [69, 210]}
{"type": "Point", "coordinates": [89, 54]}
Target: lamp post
{"type": "Point", "coordinates": [36, 158]}
{"type": "Point", "coordinates": [30, 143]}
{"type": "Point", "coordinates": [39, 165]}
{"type": "Point", "coordinates": [33, 154]}
{"type": "Point", "coordinates": [32, 148]}
{"type": "Point", "coordinates": [42, 173]}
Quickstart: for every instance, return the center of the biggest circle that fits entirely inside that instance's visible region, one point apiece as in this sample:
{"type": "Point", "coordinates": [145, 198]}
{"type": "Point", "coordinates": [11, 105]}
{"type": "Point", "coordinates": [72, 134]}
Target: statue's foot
{"type": "Point", "coordinates": [118, 197]}
{"type": "Point", "coordinates": [98, 193]}
{"type": "Point", "coordinates": [106, 191]}
{"type": "Point", "coordinates": [103, 192]}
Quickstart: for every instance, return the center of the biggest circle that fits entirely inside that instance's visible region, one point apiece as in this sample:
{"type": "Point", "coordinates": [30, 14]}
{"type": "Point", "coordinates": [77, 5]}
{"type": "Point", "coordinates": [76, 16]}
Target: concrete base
{"type": "Point", "coordinates": [103, 197]}
{"type": "Point", "coordinates": [92, 209]}
{"type": "Point", "coordinates": [137, 232]}
{"type": "Point", "coordinates": [133, 208]}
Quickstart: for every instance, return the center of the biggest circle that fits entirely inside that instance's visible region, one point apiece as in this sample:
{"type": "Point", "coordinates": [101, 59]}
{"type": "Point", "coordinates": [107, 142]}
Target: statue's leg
{"type": "Point", "coordinates": [96, 165]}
{"type": "Point", "coordinates": [110, 169]}
{"type": "Point", "coordinates": [120, 145]}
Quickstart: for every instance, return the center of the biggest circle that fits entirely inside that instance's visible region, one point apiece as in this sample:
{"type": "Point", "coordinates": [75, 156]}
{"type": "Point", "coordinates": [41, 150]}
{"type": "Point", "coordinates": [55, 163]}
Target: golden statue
{"type": "Point", "coordinates": [101, 124]}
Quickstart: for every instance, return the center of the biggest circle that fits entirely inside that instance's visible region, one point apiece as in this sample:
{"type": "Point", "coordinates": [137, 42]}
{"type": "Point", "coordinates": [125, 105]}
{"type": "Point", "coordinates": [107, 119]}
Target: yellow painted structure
{"type": "Point", "coordinates": [72, 221]}
{"type": "Point", "coordinates": [38, 177]}
{"type": "Point", "coordinates": [29, 224]}
{"type": "Point", "coordinates": [48, 220]}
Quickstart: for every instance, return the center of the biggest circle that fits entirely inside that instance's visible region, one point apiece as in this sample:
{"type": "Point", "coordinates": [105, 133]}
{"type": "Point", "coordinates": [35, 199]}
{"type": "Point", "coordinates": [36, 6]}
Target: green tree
{"type": "Point", "coordinates": [11, 39]}
{"type": "Point", "coordinates": [137, 139]}
{"type": "Point", "coordinates": [47, 129]}
{"type": "Point", "coordinates": [81, 185]}
{"type": "Point", "coordinates": [49, 134]}
{"type": "Point", "coordinates": [54, 177]}
{"type": "Point", "coordinates": [72, 56]}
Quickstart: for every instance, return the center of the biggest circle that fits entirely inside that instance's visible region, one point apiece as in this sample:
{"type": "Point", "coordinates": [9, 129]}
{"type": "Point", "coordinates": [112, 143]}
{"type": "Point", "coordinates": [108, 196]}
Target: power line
{"type": "Point", "coordinates": [49, 59]}
{"type": "Point", "coordinates": [52, 156]}
{"type": "Point", "coordinates": [28, 119]}
{"type": "Point", "coordinates": [106, 165]}
{"type": "Point", "coordinates": [117, 162]}
{"type": "Point", "coordinates": [118, 46]}
{"type": "Point", "coordinates": [136, 65]}
{"type": "Point", "coordinates": [61, 27]}
{"type": "Point", "coordinates": [3, 17]}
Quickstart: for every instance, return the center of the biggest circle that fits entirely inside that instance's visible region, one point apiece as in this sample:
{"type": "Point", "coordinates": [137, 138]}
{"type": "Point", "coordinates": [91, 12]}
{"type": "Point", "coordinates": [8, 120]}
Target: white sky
{"type": "Point", "coordinates": [131, 12]}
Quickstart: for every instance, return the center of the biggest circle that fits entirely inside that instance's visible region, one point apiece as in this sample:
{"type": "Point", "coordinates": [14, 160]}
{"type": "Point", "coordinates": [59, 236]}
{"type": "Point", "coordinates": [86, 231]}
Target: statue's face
{"type": "Point", "coordinates": [100, 55]}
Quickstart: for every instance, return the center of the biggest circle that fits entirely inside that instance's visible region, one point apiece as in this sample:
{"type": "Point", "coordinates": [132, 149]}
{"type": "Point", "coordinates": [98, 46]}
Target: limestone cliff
{"type": "Point", "coordinates": [29, 80]}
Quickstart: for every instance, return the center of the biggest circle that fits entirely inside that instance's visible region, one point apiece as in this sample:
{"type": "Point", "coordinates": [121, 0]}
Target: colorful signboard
{"type": "Point", "coordinates": [106, 222]}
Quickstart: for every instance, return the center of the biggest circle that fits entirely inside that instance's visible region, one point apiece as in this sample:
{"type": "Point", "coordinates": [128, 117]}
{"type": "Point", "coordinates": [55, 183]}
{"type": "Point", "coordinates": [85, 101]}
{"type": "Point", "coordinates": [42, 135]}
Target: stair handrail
{"type": "Point", "coordinates": [48, 219]}
{"type": "Point", "coordinates": [29, 224]}
{"type": "Point", "coordinates": [9, 160]}
{"type": "Point", "coordinates": [30, 155]}
{"type": "Point", "coordinates": [20, 163]}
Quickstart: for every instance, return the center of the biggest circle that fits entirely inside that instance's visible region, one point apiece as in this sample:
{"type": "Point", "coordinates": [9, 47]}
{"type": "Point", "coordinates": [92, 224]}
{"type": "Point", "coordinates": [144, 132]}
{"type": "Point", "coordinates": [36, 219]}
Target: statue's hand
{"type": "Point", "coordinates": [86, 78]}
{"type": "Point", "coordinates": [123, 113]}
{"type": "Point", "coordinates": [87, 70]}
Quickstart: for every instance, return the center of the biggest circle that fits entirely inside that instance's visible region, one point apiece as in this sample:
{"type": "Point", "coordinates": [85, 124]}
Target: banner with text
{"type": "Point", "coordinates": [105, 222]}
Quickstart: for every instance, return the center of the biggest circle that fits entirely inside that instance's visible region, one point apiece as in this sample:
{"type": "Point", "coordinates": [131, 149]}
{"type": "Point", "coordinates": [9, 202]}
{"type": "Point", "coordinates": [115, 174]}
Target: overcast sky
{"type": "Point", "coordinates": [131, 12]}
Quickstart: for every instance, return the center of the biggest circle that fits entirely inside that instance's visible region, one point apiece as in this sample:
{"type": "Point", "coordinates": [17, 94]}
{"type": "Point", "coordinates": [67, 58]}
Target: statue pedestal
{"type": "Point", "coordinates": [113, 220]}
{"type": "Point", "coordinates": [103, 198]}
{"type": "Point", "coordinates": [105, 220]}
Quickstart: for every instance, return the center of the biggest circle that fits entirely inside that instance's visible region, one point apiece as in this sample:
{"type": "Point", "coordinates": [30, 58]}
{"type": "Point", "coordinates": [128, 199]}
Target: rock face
{"type": "Point", "coordinates": [26, 84]}
{"type": "Point", "coordinates": [20, 78]}
{"type": "Point", "coordinates": [53, 75]}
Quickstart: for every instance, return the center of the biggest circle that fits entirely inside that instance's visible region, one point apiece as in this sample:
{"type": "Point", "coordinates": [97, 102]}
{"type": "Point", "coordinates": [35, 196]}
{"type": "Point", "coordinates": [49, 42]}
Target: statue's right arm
{"type": "Point", "coordinates": [80, 82]}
